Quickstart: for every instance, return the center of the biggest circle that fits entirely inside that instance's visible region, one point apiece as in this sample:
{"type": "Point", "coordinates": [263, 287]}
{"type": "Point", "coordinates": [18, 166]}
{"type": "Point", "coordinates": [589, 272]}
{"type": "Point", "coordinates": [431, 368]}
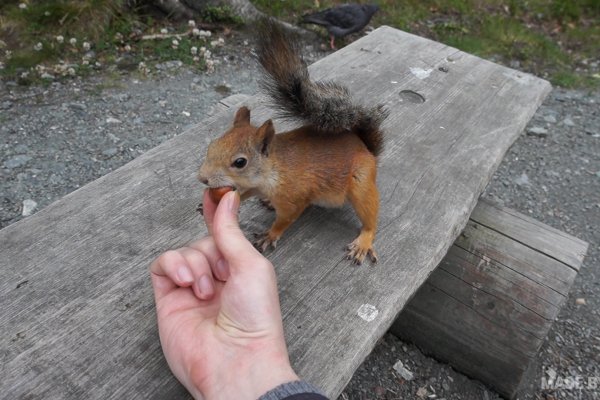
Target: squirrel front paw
{"type": "Point", "coordinates": [358, 250]}
{"type": "Point", "coordinates": [267, 204]}
{"type": "Point", "coordinates": [264, 241]}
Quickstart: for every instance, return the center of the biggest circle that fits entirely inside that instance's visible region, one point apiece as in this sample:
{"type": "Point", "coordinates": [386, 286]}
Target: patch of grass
{"type": "Point", "coordinates": [551, 38]}
{"type": "Point", "coordinates": [63, 38]}
{"type": "Point", "coordinates": [221, 14]}
{"type": "Point", "coordinates": [570, 79]}
{"type": "Point", "coordinates": [289, 10]}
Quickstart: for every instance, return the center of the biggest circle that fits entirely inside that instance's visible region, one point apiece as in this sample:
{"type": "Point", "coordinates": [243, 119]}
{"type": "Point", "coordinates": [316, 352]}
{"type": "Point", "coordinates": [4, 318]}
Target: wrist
{"type": "Point", "coordinates": [246, 376]}
{"type": "Point", "coordinates": [294, 389]}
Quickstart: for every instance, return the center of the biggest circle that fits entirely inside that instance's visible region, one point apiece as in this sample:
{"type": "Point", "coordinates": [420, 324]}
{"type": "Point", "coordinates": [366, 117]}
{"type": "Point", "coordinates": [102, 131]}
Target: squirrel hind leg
{"type": "Point", "coordinates": [364, 197]}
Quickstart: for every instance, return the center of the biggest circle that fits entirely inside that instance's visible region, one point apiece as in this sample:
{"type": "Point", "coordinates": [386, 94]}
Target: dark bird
{"type": "Point", "coordinates": [342, 20]}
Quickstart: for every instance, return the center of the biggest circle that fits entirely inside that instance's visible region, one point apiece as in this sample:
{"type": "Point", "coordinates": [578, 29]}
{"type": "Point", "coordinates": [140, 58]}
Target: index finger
{"type": "Point", "coordinates": [161, 282]}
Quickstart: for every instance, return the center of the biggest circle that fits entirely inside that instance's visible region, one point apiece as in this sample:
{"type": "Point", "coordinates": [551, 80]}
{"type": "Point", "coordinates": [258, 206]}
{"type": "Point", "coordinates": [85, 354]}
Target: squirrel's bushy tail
{"type": "Point", "coordinates": [325, 105]}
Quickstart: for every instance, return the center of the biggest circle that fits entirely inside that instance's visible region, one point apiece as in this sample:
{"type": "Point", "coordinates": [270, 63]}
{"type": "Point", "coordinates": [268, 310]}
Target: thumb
{"type": "Point", "coordinates": [230, 240]}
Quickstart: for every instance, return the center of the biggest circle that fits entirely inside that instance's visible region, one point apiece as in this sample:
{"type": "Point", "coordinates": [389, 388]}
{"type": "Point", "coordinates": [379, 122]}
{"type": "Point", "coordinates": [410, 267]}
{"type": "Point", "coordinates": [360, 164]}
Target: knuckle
{"type": "Point", "coordinates": [168, 257]}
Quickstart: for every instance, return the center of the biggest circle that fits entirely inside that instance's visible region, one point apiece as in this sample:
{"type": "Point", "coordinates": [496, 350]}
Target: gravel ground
{"type": "Point", "coordinates": [58, 138]}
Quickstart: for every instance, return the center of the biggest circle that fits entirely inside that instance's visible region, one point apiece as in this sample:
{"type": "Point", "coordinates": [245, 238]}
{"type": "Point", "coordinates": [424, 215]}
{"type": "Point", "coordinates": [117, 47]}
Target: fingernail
{"type": "Point", "coordinates": [233, 202]}
{"type": "Point", "coordinates": [205, 286]}
{"type": "Point", "coordinates": [185, 274]}
{"type": "Point", "coordinates": [222, 269]}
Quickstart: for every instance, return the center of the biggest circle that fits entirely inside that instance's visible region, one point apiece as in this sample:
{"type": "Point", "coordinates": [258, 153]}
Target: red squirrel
{"type": "Point", "coordinates": [331, 159]}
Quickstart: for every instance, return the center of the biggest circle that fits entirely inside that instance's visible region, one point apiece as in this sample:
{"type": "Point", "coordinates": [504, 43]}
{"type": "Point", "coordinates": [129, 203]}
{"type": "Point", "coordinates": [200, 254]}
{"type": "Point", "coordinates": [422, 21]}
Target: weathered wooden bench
{"type": "Point", "coordinates": [77, 314]}
{"type": "Point", "coordinates": [490, 303]}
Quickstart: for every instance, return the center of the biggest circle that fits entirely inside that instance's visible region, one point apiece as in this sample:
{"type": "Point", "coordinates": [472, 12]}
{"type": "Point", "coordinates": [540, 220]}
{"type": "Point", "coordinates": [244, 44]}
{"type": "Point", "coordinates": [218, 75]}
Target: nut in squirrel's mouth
{"type": "Point", "coordinates": [216, 194]}
{"type": "Point", "coordinates": [222, 187]}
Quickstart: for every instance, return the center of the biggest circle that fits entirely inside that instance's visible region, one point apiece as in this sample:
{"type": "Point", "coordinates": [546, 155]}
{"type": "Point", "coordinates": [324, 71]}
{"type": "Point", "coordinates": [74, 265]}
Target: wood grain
{"type": "Point", "coordinates": [489, 305]}
{"type": "Point", "coordinates": [77, 317]}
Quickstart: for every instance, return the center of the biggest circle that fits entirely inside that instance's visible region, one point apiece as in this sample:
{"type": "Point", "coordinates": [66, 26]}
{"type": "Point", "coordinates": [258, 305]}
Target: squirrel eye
{"type": "Point", "coordinates": [240, 162]}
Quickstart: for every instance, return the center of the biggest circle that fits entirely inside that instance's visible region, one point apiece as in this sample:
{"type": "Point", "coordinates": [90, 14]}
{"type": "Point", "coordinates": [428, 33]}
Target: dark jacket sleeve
{"type": "Point", "coordinates": [296, 390]}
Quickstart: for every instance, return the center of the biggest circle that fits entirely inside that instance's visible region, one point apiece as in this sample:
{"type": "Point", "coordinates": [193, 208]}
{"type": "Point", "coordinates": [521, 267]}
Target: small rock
{"type": "Point", "coordinates": [402, 371]}
{"type": "Point", "coordinates": [169, 65]}
{"type": "Point", "coordinates": [16, 161]}
{"type": "Point", "coordinates": [446, 386]}
{"type": "Point", "coordinates": [77, 106]}
{"type": "Point", "coordinates": [5, 105]}
{"type": "Point", "coordinates": [537, 131]}
{"type": "Point", "coordinates": [380, 391]}
{"type": "Point", "coordinates": [110, 152]}
{"type": "Point", "coordinates": [592, 132]}
{"type": "Point", "coordinates": [29, 207]}
{"type": "Point", "coordinates": [522, 180]}
{"type": "Point", "coordinates": [580, 301]}
{"type": "Point", "coordinates": [551, 119]}
{"type": "Point", "coordinates": [422, 392]}
{"type": "Point", "coordinates": [111, 120]}
{"type": "Point", "coordinates": [21, 149]}
{"type": "Point", "coordinates": [568, 122]}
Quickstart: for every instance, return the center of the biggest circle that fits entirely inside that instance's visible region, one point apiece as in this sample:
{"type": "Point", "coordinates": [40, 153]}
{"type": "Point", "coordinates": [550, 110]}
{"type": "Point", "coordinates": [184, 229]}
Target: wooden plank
{"type": "Point", "coordinates": [533, 264]}
{"type": "Point", "coordinates": [496, 366]}
{"type": "Point", "coordinates": [491, 302]}
{"type": "Point", "coordinates": [232, 101]}
{"type": "Point", "coordinates": [540, 236]}
{"type": "Point", "coordinates": [76, 299]}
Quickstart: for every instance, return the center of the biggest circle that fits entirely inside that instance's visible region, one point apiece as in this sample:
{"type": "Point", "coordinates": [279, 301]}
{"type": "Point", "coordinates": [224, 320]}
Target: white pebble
{"type": "Point", "coordinates": [402, 371]}
{"type": "Point", "coordinates": [29, 207]}
{"type": "Point", "coordinates": [60, 39]}
{"type": "Point", "coordinates": [39, 46]}
{"type": "Point", "coordinates": [191, 23]}
{"type": "Point", "coordinates": [86, 46]}
{"type": "Point", "coordinates": [73, 41]}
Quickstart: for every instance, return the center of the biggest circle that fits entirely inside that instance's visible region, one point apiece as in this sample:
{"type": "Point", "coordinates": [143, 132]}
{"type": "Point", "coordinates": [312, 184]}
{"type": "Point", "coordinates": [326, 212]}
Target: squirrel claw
{"type": "Point", "coordinates": [200, 208]}
{"type": "Point", "coordinates": [357, 253]}
{"type": "Point", "coordinates": [264, 241]}
{"type": "Point", "coordinates": [267, 204]}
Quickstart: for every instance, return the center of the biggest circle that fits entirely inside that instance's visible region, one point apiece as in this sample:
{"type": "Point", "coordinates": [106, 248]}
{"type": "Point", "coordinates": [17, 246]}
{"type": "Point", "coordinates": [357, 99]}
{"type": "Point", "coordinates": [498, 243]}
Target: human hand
{"type": "Point", "coordinates": [218, 312]}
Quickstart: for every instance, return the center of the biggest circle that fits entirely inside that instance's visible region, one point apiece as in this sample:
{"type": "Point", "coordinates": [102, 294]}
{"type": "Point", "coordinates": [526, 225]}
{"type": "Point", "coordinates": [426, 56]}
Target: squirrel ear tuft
{"type": "Point", "coordinates": [242, 117]}
{"type": "Point", "coordinates": [265, 135]}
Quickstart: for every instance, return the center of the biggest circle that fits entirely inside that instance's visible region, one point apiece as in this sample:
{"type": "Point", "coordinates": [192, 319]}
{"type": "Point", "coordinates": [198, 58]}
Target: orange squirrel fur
{"type": "Point", "coordinates": [328, 161]}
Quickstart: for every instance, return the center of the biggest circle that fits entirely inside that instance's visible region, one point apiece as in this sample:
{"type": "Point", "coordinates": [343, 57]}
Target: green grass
{"type": "Point", "coordinates": [111, 29]}
{"type": "Point", "coordinates": [550, 38]}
